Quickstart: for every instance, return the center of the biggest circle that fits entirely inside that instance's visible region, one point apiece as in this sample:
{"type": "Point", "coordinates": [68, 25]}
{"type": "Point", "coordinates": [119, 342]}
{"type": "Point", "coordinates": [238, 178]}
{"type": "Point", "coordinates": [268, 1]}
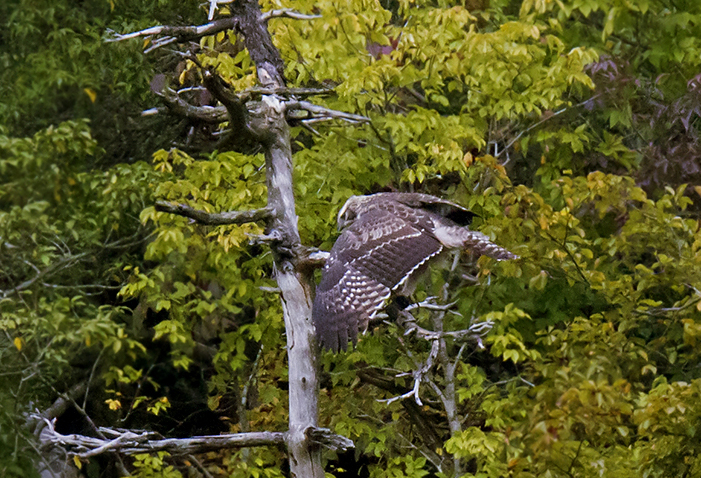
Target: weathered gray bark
{"type": "Point", "coordinates": [130, 443]}
{"type": "Point", "coordinates": [295, 293]}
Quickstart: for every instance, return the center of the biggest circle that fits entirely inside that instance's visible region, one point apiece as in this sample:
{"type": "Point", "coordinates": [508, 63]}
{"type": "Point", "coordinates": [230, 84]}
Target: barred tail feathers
{"type": "Point", "coordinates": [481, 245]}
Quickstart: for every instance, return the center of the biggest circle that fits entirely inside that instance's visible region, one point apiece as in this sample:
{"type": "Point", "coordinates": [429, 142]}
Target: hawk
{"type": "Point", "coordinates": [387, 241]}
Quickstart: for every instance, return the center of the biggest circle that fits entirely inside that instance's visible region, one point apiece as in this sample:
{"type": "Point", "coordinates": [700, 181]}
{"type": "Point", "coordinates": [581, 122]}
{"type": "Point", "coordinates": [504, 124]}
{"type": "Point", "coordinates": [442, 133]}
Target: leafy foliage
{"type": "Point", "coordinates": [569, 127]}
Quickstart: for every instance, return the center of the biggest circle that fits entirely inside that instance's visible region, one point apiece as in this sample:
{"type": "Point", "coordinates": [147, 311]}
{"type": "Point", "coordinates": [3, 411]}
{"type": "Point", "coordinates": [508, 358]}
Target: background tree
{"type": "Point", "coordinates": [561, 124]}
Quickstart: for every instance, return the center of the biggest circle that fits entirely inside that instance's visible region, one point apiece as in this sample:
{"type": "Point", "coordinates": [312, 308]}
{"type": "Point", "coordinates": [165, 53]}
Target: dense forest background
{"type": "Point", "coordinates": [570, 127]}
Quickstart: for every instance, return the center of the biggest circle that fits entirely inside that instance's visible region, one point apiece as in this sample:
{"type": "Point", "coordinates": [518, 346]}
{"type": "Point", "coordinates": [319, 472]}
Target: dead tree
{"type": "Point", "coordinates": [263, 122]}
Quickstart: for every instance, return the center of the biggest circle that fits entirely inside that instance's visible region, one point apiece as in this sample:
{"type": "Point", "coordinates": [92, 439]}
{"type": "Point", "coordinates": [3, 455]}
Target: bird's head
{"type": "Point", "coordinates": [349, 211]}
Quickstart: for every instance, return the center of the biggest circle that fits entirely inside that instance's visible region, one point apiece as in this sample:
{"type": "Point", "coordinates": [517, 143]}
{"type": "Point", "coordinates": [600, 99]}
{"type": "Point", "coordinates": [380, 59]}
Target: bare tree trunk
{"type": "Point", "coordinates": [295, 287]}
{"type": "Point", "coordinates": [295, 293]}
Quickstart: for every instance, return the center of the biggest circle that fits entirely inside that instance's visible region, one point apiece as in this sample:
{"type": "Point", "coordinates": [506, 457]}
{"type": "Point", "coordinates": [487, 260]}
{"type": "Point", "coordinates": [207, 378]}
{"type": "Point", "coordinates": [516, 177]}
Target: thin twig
{"type": "Point", "coordinates": [532, 127]}
{"type": "Point", "coordinates": [92, 374]}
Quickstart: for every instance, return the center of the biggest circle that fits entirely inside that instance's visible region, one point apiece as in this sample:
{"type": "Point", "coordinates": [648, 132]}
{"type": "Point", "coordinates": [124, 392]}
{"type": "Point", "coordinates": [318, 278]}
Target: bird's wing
{"type": "Point", "coordinates": [376, 254]}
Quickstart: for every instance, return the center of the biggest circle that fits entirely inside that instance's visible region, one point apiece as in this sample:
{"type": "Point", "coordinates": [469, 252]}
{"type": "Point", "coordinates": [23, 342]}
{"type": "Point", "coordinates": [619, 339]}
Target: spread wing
{"type": "Point", "coordinates": [375, 255]}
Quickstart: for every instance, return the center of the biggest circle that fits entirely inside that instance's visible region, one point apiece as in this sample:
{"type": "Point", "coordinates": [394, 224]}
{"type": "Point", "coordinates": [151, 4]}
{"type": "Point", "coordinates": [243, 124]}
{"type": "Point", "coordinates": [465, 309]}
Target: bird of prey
{"type": "Point", "coordinates": [387, 241]}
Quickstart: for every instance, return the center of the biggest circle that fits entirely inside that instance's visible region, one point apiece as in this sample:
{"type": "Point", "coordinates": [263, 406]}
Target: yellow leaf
{"type": "Point", "coordinates": [91, 94]}
{"type": "Point", "coordinates": [538, 282]}
{"type": "Point", "coordinates": [18, 343]}
{"type": "Point", "coordinates": [77, 462]}
{"type": "Point", "coordinates": [213, 402]}
{"type": "Point", "coordinates": [698, 190]}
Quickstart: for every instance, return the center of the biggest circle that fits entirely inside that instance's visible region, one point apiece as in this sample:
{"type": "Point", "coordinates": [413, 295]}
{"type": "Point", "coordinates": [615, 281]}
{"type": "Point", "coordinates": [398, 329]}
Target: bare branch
{"type": "Point", "coordinates": [214, 5]}
{"type": "Point", "coordinates": [319, 113]}
{"type": "Point", "coordinates": [235, 106]}
{"type": "Point", "coordinates": [55, 267]}
{"type": "Point", "coordinates": [249, 93]}
{"type": "Point", "coordinates": [429, 304]}
{"type": "Point", "coordinates": [206, 114]}
{"type": "Point", "coordinates": [427, 430]}
{"type": "Point", "coordinates": [318, 258]}
{"type": "Point", "coordinates": [130, 443]}
{"type": "Point", "coordinates": [474, 332]}
{"type": "Point", "coordinates": [179, 34]}
{"type": "Point", "coordinates": [216, 218]}
{"type": "Point", "coordinates": [83, 286]}
{"type": "Point", "coordinates": [153, 111]}
{"type": "Point", "coordinates": [199, 466]}
{"type": "Point", "coordinates": [265, 239]}
{"type": "Point", "coordinates": [256, 38]}
{"type": "Point", "coordinates": [419, 374]}
{"type": "Point", "coordinates": [38, 422]}
{"type": "Point", "coordinates": [287, 13]}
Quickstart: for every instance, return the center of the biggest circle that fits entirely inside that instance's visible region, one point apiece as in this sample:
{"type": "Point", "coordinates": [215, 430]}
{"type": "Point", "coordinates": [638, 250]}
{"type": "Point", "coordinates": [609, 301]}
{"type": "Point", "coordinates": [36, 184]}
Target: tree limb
{"type": "Point", "coordinates": [235, 106]}
{"type": "Point", "coordinates": [216, 218]}
{"type": "Point", "coordinates": [58, 408]}
{"type": "Point", "coordinates": [256, 38]}
{"type": "Point", "coordinates": [206, 114]}
{"type": "Point", "coordinates": [475, 332]}
{"type": "Point", "coordinates": [319, 113]}
{"type": "Point", "coordinates": [179, 34]}
{"type": "Point", "coordinates": [427, 430]}
{"type": "Point", "coordinates": [448, 395]}
{"type": "Point", "coordinates": [249, 93]}
{"type": "Point", "coordinates": [130, 443]}
{"type": "Point", "coordinates": [287, 13]}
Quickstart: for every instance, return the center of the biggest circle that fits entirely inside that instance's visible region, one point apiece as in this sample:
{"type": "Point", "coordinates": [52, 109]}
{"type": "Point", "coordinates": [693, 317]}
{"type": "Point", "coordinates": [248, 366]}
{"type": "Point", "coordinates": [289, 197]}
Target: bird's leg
{"type": "Point", "coordinates": [406, 321]}
{"type": "Point", "coordinates": [397, 311]}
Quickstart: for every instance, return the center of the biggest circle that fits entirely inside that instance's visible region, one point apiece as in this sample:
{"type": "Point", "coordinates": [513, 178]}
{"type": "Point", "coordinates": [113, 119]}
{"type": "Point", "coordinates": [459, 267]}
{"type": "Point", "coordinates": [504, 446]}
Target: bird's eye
{"type": "Point", "coordinates": [348, 215]}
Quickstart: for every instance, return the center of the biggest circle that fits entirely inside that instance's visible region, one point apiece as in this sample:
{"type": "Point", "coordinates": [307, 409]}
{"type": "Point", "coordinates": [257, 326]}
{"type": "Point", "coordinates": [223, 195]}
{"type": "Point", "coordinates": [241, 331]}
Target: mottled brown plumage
{"type": "Point", "coordinates": [388, 240]}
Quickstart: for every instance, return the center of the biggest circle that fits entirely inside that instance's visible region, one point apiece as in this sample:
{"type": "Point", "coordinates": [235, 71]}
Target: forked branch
{"type": "Point", "coordinates": [129, 442]}
{"type": "Point", "coordinates": [179, 34]}
{"type": "Point", "coordinates": [205, 114]}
